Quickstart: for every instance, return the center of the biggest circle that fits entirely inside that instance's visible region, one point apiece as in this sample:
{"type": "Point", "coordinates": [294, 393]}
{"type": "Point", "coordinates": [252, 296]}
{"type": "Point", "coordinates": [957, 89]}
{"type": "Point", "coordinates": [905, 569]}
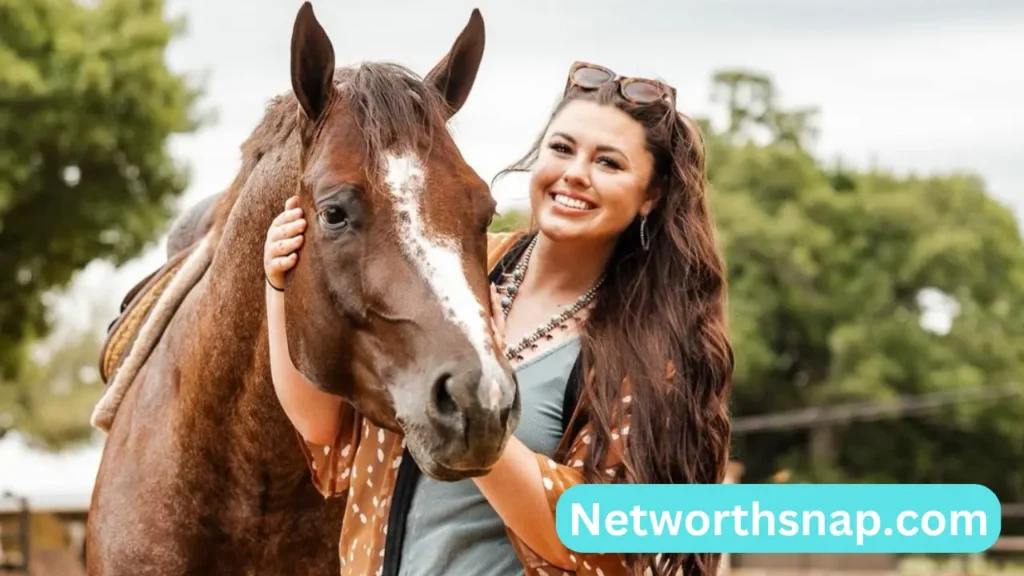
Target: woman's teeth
{"type": "Point", "coordinates": [573, 202]}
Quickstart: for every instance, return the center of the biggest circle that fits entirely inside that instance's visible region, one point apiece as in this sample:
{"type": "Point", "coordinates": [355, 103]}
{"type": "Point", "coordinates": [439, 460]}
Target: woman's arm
{"type": "Point", "coordinates": [314, 414]}
{"type": "Point", "coordinates": [516, 491]}
{"type": "Point", "coordinates": [524, 488]}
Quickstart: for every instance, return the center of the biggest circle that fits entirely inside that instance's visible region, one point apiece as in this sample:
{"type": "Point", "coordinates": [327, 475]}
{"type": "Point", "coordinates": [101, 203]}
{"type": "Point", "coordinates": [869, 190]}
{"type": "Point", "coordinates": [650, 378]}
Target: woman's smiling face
{"type": "Point", "coordinates": [592, 173]}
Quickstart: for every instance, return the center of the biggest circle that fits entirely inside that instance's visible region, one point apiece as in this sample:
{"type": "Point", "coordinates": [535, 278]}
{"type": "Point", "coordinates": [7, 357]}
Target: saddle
{"type": "Point", "coordinates": [144, 314]}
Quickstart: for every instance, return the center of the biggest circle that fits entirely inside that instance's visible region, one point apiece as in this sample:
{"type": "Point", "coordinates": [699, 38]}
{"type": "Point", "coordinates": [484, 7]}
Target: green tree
{"type": "Point", "coordinates": [87, 104]}
{"type": "Point", "coordinates": [830, 270]}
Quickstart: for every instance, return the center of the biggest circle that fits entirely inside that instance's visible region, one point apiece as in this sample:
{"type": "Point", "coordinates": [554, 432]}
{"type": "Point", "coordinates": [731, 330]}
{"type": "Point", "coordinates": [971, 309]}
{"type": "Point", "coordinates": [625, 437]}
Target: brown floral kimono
{"type": "Point", "coordinates": [370, 467]}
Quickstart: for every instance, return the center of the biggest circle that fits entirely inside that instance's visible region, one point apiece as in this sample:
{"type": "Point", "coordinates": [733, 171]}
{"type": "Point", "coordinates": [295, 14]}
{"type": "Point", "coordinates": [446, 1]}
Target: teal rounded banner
{"type": "Point", "coordinates": [783, 518]}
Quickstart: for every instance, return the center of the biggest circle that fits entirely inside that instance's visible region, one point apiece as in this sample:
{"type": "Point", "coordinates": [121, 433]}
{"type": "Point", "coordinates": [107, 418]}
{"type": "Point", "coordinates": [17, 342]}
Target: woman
{"type": "Point", "coordinates": [623, 252]}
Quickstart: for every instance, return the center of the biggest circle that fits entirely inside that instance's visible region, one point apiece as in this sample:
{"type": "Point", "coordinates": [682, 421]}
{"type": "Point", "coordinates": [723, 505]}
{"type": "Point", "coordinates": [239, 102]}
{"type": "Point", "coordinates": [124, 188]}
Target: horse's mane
{"type": "Point", "coordinates": [392, 105]}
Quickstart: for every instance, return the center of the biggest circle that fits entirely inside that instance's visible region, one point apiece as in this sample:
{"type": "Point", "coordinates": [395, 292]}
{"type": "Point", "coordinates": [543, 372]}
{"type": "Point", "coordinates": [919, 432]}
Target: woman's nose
{"type": "Point", "coordinates": [577, 174]}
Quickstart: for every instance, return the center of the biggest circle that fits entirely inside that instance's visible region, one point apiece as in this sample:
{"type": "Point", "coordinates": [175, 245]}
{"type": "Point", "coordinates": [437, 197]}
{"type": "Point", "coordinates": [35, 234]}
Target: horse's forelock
{"type": "Point", "coordinates": [393, 107]}
{"type": "Point", "coordinates": [395, 110]}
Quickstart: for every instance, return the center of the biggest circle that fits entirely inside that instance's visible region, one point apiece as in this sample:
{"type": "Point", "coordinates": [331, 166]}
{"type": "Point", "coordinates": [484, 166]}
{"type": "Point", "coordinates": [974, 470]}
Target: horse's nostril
{"type": "Point", "coordinates": [443, 400]}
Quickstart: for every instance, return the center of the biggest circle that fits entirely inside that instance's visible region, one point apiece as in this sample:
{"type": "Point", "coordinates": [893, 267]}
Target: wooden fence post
{"type": "Point", "coordinates": [733, 473]}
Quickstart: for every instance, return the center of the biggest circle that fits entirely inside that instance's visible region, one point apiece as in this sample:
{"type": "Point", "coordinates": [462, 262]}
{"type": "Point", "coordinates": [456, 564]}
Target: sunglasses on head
{"type": "Point", "coordinates": [587, 76]}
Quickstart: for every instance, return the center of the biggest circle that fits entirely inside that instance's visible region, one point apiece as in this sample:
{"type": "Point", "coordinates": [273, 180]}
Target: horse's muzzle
{"type": "Point", "coordinates": [463, 419]}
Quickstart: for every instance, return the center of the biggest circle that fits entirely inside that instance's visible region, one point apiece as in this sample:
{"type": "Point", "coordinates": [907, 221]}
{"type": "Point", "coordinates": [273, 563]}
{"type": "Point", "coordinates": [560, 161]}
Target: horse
{"type": "Point", "coordinates": [387, 307]}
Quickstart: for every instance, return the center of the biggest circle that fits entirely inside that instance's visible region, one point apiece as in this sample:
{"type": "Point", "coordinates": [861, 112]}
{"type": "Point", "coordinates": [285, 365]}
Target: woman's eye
{"type": "Point", "coordinates": [609, 162]}
{"type": "Point", "coordinates": [562, 148]}
{"type": "Point", "coordinates": [333, 216]}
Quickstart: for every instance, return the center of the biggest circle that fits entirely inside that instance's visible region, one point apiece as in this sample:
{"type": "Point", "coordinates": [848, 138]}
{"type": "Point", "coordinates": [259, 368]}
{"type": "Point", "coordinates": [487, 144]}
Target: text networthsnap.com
{"type": "Point", "coordinates": [753, 521]}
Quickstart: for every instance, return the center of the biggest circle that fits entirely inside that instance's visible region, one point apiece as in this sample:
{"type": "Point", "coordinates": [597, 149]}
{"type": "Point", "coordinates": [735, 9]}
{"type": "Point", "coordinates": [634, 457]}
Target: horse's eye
{"type": "Point", "coordinates": [333, 217]}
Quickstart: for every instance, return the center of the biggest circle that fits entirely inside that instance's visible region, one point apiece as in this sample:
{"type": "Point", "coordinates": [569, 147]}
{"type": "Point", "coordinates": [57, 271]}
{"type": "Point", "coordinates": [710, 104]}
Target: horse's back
{"type": "Point", "coordinates": [132, 516]}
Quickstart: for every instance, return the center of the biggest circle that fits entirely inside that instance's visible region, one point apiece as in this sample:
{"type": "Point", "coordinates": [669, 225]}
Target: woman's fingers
{"type": "Point", "coordinates": [284, 247]}
{"type": "Point", "coordinates": [284, 230]}
{"type": "Point", "coordinates": [287, 216]}
{"type": "Point", "coordinates": [281, 264]}
{"type": "Point", "coordinates": [497, 317]}
{"type": "Point", "coordinates": [283, 238]}
{"type": "Point", "coordinates": [293, 228]}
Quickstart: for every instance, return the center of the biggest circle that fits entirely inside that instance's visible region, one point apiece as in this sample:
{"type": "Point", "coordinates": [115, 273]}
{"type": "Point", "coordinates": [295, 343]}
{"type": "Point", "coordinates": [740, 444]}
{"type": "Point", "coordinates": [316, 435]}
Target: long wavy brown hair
{"type": "Point", "coordinates": [659, 323]}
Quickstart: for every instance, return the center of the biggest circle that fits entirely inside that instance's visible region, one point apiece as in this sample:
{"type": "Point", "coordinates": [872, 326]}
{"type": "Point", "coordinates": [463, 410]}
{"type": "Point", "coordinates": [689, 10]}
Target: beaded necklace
{"type": "Point", "coordinates": [557, 320]}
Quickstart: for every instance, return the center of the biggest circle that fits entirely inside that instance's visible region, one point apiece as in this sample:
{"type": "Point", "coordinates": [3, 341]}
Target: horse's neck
{"type": "Point", "coordinates": [230, 380]}
{"type": "Point", "coordinates": [260, 198]}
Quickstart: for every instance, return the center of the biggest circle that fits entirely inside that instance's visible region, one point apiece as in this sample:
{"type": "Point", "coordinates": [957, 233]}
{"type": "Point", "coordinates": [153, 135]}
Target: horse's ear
{"type": "Point", "coordinates": [312, 63]}
{"type": "Point", "coordinates": [454, 75]}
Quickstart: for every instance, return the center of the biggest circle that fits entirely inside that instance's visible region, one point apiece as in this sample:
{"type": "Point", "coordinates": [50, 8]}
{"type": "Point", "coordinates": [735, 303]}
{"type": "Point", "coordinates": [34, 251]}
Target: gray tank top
{"type": "Point", "coordinates": [451, 528]}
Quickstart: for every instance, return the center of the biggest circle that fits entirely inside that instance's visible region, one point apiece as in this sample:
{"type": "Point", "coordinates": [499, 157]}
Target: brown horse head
{"type": "Point", "coordinates": [388, 305]}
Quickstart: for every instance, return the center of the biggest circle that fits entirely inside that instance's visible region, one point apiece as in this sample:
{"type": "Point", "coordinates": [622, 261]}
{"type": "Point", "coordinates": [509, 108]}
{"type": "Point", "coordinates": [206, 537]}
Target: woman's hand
{"type": "Point", "coordinates": [497, 319]}
{"type": "Point", "coordinates": [283, 238]}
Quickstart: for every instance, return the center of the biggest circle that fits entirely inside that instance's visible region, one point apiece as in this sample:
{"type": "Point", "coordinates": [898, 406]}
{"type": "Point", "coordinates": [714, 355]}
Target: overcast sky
{"type": "Point", "coordinates": [926, 86]}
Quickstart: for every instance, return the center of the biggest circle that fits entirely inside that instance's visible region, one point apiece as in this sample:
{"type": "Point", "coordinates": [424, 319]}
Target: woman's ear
{"type": "Point", "coordinates": [654, 193]}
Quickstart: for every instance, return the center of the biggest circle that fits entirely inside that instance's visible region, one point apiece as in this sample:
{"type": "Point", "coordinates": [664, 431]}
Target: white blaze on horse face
{"type": "Point", "coordinates": [440, 263]}
{"type": "Point", "coordinates": [494, 395]}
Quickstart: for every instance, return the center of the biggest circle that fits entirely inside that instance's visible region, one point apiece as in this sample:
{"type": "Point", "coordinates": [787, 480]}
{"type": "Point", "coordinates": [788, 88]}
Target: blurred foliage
{"type": "Point", "coordinates": [511, 221]}
{"type": "Point", "coordinates": [831, 272]}
{"type": "Point", "coordinates": [87, 105]}
{"type": "Point", "coordinates": [59, 384]}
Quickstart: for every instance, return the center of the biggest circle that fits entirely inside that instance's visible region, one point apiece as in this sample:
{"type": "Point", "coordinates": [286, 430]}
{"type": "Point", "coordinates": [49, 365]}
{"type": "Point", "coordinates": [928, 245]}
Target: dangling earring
{"type": "Point", "coordinates": [645, 240]}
